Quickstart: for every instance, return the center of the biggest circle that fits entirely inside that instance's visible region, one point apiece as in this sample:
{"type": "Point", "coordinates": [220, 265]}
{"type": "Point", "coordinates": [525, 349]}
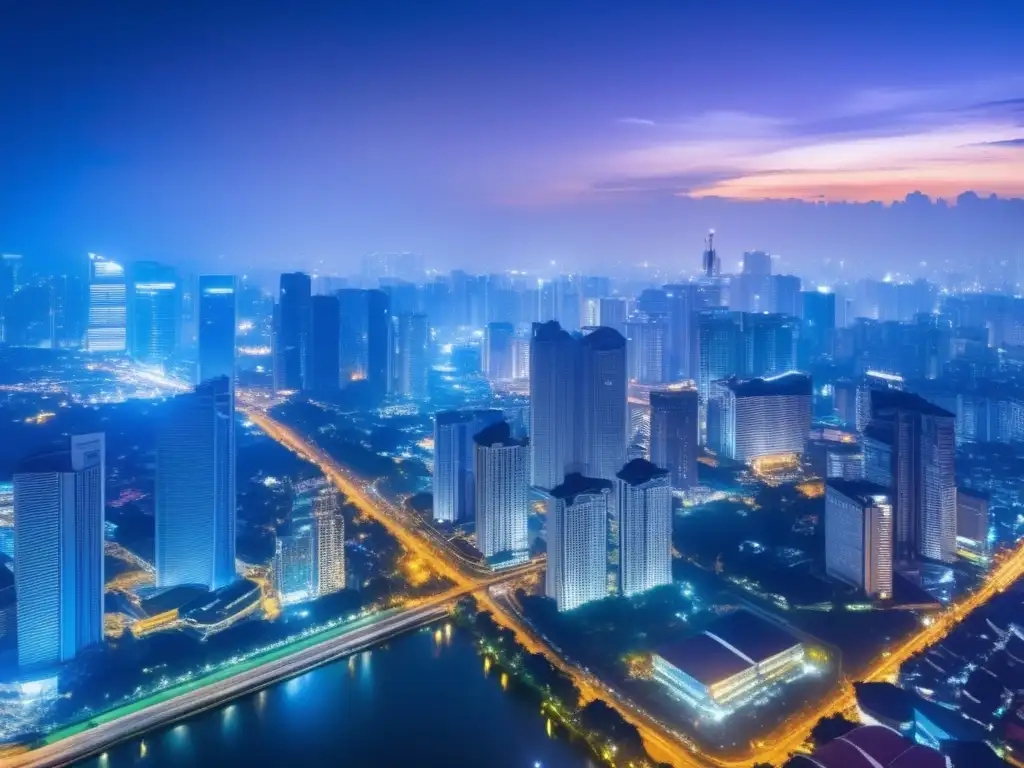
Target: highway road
{"type": "Point", "coordinates": [101, 737]}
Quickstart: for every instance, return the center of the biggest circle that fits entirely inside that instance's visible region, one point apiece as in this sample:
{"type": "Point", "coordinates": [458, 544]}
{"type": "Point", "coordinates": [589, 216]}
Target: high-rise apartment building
{"type": "Point", "coordinates": [352, 318]}
{"type": "Point", "coordinates": [501, 466]}
{"type": "Point", "coordinates": [295, 565]}
{"type": "Point", "coordinates": [972, 522]}
{"type": "Point", "coordinates": [755, 418]}
{"type": "Point", "coordinates": [154, 313]}
{"type": "Point", "coordinates": [497, 357]}
{"type": "Point", "coordinates": [324, 365]}
{"type": "Point", "coordinates": [785, 291]}
{"type": "Point", "coordinates": [675, 434]}
{"type": "Point", "coordinates": [218, 326]}
{"type": "Point", "coordinates": [379, 337]}
{"type": "Point", "coordinates": [717, 348]}
{"type": "Point", "coordinates": [195, 489]}
{"type": "Point", "coordinates": [611, 313]}
{"type": "Point", "coordinates": [647, 341]}
{"type": "Point", "coordinates": [645, 527]}
{"type": "Point", "coordinates": [58, 551]}
{"type": "Point", "coordinates": [454, 488]}
{"type": "Point", "coordinates": [818, 313]}
{"type": "Point", "coordinates": [553, 403]}
{"type": "Point", "coordinates": [412, 345]}
{"type": "Point", "coordinates": [910, 448]}
{"type": "Point", "coordinates": [769, 344]}
{"type": "Point", "coordinates": [107, 330]}
{"type": "Point", "coordinates": [604, 431]}
{"type": "Point", "coordinates": [859, 536]}
{"type": "Point", "coordinates": [577, 539]}
{"type": "Point", "coordinates": [291, 332]}
{"type": "Point", "coordinates": [329, 528]}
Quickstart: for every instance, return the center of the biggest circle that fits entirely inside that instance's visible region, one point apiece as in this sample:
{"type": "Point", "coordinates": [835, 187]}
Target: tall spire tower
{"type": "Point", "coordinates": [710, 263]}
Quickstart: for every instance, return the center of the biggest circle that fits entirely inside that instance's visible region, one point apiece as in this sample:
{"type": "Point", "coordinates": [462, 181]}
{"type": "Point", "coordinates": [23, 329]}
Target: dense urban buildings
{"type": "Point", "coordinates": [58, 552]}
{"type": "Point", "coordinates": [644, 512]}
{"type": "Point", "coordinates": [195, 489]}
{"type": "Point", "coordinates": [859, 541]}
{"type": "Point", "coordinates": [577, 516]}
{"type": "Point", "coordinates": [501, 465]}
{"type": "Point", "coordinates": [454, 485]}
{"type": "Point", "coordinates": [675, 434]}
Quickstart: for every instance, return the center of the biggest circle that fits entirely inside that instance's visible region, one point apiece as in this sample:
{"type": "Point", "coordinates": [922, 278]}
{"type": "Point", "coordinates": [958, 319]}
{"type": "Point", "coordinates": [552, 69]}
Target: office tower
{"type": "Point", "coordinates": [553, 403]}
{"type": "Point", "coordinates": [68, 311]}
{"type": "Point", "coordinates": [910, 448]}
{"type": "Point", "coordinates": [859, 536]}
{"type": "Point", "coordinates": [291, 333]}
{"type": "Point", "coordinates": [352, 322]}
{"type": "Point", "coordinates": [648, 350]}
{"type": "Point", "coordinates": [379, 333]}
{"type": "Point", "coordinates": [497, 351]}
{"type": "Point", "coordinates": [711, 266]}
{"type": "Point", "coordinates": [218, 321]}
{"type": "Point", "coordinates": [675, 434]}
{"type": "Point", "coordinates": [521, 358]}
{"type": "Point", "coordinates": [769, 344]}
{"type": "Point", "coordinates": [454, 488]}
{"type": "Point", "coordinates": [785, 295]}
{"type": "Point", "coordinates": [753, 418]}
{"type": "Point", "coordinates": [295, 567]}
{"type": "Point", "coordinates": [329, 529]}
{"type": "Point", "coordinates": [681, 301]}
{"type": "Point", "coordinates": [612, 313]}
{"type": "Point", "coordinates": [28, 320]}
{"type": "Point", "coordinates": [501, 466]}
{"type": "Point", "coordinates": [10, 267]}
{"type": "Point", "coordinates": [653, 302]}
{"type": "Point", "coordinates": [717, 348]}
{"type": "Point", "coordinates": [869, 382]}
{"type": "Point", "coordinates": [412, 342]}
{"type": "Point", "coordinates": [154, 313]}
{"type": "Point", "coordinates": [108, 310]}
{"type": "Point", "coordinates": [324, 365]}
{"type": "Point", "coordinates": [818, 313]}
{"type": "Point", "coordinates": [58, 551]}
{"type": "Point", "coordinates": [577, 531]}
{"type": "Point", "coordinates": [603, 433]}
{"type": "Point", "coordinates": [972, 522]}
{"type": "Point", "coordinates": [195, 489]}
{"type": "Point", "coordinates": [645, 526]}
{"type": "Point", "coordinates": [752, 288]}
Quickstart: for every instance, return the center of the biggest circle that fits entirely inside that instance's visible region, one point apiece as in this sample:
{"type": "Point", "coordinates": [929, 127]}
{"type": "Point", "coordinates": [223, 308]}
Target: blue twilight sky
{"type": "Point", "coordinates": [499, 134]}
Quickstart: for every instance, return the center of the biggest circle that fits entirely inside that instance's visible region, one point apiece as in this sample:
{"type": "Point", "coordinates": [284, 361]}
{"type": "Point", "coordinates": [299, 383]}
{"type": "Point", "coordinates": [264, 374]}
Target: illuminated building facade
{"type": "Point", "coordinates": [972, 523]}
{"type": "Point", "coordinates": [501, 466]}
{"type": "Point", "coordinates": [291, 332]}
{"type": "Point", "coordinates": [604, 431]}
{"type": "Point", "coordinates": [154, 313]}
{"type": "Point", "coordinates": [59, 501]}
{"type": "Point", "coordinates": [218, 320]}
{"type": "Point", "coordinates": [644, 527]}
{"type": "Point", "coordinates": [859, 536]}
{"type": "Point", "coordinates": [553, 405]}
{"type": "Point", "coordinates": [107, 330]}
{"type": "Point", "coordinates": [755, 418]}
{"type": "Point", "coordinates": [675, 434]}
{"type": "Point", "coordinates": [497, 357]}
{"type": "Point", "coordinates": [412, 345]}
{"type": "Point", "coordinates": [577, 538]}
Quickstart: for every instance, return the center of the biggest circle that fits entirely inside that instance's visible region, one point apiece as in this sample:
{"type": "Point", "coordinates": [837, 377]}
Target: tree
{"type": "Point", "coordinates": [829, 728]}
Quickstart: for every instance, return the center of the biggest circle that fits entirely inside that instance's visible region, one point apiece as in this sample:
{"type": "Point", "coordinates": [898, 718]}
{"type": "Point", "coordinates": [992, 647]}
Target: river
{"type": "Point", "coordinates": [425, 699]}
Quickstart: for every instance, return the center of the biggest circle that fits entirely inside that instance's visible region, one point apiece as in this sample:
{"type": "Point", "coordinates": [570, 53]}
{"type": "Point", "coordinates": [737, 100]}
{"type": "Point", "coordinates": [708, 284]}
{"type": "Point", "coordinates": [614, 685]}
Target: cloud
{"type": "Point", "coordinates": [1004, 143]}
{"type": "Point", "coordinates": [635, 121]}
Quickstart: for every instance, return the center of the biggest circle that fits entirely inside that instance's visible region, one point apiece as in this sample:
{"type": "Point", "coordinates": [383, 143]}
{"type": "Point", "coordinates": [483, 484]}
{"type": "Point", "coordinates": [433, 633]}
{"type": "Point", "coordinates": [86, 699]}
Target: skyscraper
{"type": "Point", "coordinates": [291, 334]}
{"type": "Point", "coordinates": [818, 313]}
{"type": "Point", "coordinates": [553, 403]}
{"type": "Point", "coordinates": [411, 359]}
{"type": "Point", "coordinates": [611, 313]}
{"type": "Point", "coordinates": [711, 266]}
{"type": "Point", "coordinates": [675, 434]}
{"type": "Point", "coordinates": [379, 334]}
{"type": "Point", "coordinates": [785, 292]}
{"type": "Point", "coordinates": [717, 348]}
{"type": "Point", "coordinates": [58, 551]}
{"type": "Point", "coordinates": [352, 311]}
{"type": "Point", "coordinates": [910, 448]}
{"type": "Point", "coordinates": [454, 488]}
{"type": "Point", "coordinates": [603, 423]}
{"type": "Point", "coordinates": [108, 306]}
{"type": "Point", "coordinates": [329, 528]}
{"type": "Point", "coordinates": [760, 417]}
{"type": "Point", "coordinates": [497, 351]}
{"type": "Point", "coordinates": [501, 469]}
{"type": "Point", "coordinates": [154, 313]}
{"type": "Point", "coordinates": [681, 306]}
{"type": "Point", "coordinates": [645, 527]}
{"type": "Point", "coordinates": [295, 566]}
{"type": "Point", "coordinates": [218, 321]}
{"type": "Point", "coordinates": [577, 532]}
{"type": "Point", "coordinates": [752, 288]}
{"type": "Point", "coordinates": [769, 344]}
{"type": "Point", "coordinates": [972, 522]}
{"type": "Point", "coordinates": [648, 349]}
{"type": "Point", "coordinates": [324, 344]}
{"type": "Point", "coordinates": [859, 536]}
{"type": "Point", "coordinates": [195, 489]}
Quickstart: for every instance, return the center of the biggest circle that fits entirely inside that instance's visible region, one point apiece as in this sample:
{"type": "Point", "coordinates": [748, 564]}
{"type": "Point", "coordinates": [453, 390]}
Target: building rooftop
{"type": "Point", "coordinates": [640, 471]}
{"type": "Point", "coordinates": [895, 399]}
{"type": "Point", "coordinates": [751, 635]}
{"type": "Point", "coordinates": [604, 337]}
{"type": "Point", "coordinates": [574, 484]}
{"type": "Point", "coordinates": [871, 746]}
{"type": "Point", "coordinates": [791, 383]}
{"type": "Point", "coordinates": [859, 490]}
{"type": "Point", "coordinates": [498, 433]}
{"type": "Point", "coordinates": [550, 331]}
{"type": "Point", "coordinates": [704, 659]}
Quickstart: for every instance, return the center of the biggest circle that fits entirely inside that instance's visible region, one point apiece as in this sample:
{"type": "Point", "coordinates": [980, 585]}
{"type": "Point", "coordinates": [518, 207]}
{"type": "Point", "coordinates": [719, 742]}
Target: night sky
{"type": "Point", "coordinates": [501, 134]}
